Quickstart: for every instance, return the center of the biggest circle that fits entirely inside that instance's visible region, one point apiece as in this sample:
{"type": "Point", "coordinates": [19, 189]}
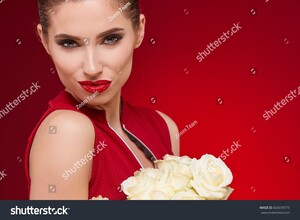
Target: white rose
{"type": "Point", "coordinates": [99, 198]}
{"type": "Point", "coordinates": [150, 194]}
{"type": "Point", "coordinates": [171, 179]}
{"type": "Point", "coordinates": [186, 195]}
{"type": "Point", "coordinates": [178, 165]}
{"type": "Point", "coordinates": [211, 177]}
{"type": "Point", "coordinates": [143, 179]}
{"type": "Point", "coordinates": [147, 184]}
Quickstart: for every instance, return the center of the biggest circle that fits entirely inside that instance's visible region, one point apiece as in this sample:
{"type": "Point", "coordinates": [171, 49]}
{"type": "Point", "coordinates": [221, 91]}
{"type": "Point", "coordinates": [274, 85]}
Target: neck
{"type": "Point", "coordinates": [112, 111]}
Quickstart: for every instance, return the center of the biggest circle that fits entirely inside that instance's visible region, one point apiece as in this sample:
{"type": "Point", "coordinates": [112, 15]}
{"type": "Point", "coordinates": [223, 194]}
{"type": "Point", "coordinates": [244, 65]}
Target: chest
{"type": "Point", "coordinates": [118, 156]}
{"type": "Point", "coordinates": [138, 153]}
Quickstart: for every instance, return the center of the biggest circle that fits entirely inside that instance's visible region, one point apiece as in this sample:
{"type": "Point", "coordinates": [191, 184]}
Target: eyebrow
{"type": "Point", "coordinates": [101, 35]}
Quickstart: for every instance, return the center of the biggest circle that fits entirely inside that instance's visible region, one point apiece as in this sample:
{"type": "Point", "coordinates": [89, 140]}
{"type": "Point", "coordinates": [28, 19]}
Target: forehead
{"type": "Point", "coordinates": [75, 17]}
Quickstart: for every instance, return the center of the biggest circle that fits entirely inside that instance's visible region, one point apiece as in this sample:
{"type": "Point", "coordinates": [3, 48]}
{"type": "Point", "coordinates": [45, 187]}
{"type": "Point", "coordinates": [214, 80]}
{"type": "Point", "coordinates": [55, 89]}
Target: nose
{"type": "Point", "coordinates": [92, 65]}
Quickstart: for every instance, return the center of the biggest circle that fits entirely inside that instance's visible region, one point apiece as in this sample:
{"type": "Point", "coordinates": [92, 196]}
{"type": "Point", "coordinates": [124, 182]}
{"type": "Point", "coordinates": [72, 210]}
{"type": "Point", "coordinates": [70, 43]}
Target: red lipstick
{"type": "Point", "coordinates": [95, 86]}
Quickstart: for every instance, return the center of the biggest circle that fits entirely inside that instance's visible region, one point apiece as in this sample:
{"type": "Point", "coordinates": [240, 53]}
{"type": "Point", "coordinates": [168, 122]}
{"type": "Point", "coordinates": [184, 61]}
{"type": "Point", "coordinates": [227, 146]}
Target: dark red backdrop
{"type": "Point", "coordinates": [224, 96]}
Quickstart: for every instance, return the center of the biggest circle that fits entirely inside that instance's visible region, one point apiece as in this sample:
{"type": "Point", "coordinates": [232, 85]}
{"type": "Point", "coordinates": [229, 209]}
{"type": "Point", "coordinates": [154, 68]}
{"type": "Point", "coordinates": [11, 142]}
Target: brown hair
{"type": "Point", "coordinates": [46, 6]}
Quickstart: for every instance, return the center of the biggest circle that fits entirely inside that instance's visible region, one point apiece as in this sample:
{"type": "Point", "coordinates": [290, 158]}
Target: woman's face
{"type": "Point", "coordinates": [91, 51]}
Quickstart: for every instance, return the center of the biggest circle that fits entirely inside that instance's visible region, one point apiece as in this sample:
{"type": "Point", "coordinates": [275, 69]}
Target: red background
{"type": "Point", "coordinates": [168, 77]}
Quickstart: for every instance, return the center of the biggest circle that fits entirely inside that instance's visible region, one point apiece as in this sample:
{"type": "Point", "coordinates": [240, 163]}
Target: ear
{"type": "Point", "coordinates": [140, 31]}
{"type": "Point", "coordinates": [43, 38]}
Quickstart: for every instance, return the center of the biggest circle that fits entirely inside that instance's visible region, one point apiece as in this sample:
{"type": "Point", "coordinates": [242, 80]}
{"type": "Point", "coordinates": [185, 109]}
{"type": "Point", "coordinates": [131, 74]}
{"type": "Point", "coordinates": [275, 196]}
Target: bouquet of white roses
{"type": "Point", "coordinates": [181, 178]}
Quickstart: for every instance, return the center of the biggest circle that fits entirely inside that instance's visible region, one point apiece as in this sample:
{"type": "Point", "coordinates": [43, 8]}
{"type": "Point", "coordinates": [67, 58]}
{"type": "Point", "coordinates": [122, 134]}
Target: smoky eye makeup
{"type": "Point", "coordinates": [68, 43]}
{"type": "Point", "coordinates": [112, 39]}
{"type": "Point", "coordinates": [109, 38]}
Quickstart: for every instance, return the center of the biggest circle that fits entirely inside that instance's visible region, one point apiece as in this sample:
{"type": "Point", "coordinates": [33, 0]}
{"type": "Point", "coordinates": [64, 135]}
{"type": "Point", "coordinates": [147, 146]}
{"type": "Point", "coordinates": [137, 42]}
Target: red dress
{"type": "Point", "coordinates": [113, 160]}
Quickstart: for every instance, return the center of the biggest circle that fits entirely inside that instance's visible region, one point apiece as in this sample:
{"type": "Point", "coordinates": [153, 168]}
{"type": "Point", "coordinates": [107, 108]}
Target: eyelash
{"type": "Point", "coordinates": [68, 44]}
{"type": "Point", "coordinates": [116, 38]}
{"type": "Point", "coordinates": [109, 40]}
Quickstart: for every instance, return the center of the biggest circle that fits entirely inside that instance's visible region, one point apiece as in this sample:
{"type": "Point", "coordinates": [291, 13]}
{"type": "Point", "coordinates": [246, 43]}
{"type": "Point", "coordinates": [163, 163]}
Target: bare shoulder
{"type": "Point", "coordinates": [173, 129]}
{"type": "Point", "coordinates": [63, 138]}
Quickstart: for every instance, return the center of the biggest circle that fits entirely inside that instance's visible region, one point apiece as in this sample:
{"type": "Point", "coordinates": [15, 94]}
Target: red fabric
{"type": "Point", "coordinates": [113, 162]}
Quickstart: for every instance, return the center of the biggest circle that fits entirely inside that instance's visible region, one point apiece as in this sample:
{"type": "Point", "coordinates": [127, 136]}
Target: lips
{"type": "Point", "coordinates": [95, 86]}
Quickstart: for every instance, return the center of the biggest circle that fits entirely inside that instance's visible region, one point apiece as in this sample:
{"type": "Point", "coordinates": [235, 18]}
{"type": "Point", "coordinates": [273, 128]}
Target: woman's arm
{"type": "Point", "coordinates": [173, 133]}
{"type": "Point", "coordinates": [59, 166]}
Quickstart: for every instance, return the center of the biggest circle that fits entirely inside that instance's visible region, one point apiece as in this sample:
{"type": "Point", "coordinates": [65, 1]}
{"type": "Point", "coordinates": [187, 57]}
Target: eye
{"type": "Point", "coordinates": [112, 39]}
{"type": "Point", "coordinates": [68, 44]}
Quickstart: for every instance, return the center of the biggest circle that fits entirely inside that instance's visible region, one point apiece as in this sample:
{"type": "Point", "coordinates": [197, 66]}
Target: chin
{"type": "Point", "coordinates": [101, 100]}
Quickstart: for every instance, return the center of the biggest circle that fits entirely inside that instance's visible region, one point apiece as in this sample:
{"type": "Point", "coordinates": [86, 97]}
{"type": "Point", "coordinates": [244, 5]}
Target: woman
{"type": "Point", "coordinates": [90, 139]}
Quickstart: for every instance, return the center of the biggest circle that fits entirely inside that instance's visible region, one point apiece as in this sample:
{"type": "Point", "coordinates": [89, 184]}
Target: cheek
{"type": "Point", "coordinates": [120, 62]}
{"type": "Point", "coordinates": [66, 64]}
{"type": "Point", "coordinates": [120, 58]}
